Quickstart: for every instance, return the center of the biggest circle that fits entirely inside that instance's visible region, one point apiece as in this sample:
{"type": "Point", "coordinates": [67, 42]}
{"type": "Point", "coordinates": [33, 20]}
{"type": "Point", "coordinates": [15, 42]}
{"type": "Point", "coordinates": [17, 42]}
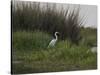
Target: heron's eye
{"type": "Point", "coordinates": [57, 33]}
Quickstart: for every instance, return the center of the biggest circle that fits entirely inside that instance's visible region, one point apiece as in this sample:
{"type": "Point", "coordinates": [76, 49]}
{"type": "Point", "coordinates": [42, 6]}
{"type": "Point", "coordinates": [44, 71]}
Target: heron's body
{"type": "Point", "coordinates": [53, 41]}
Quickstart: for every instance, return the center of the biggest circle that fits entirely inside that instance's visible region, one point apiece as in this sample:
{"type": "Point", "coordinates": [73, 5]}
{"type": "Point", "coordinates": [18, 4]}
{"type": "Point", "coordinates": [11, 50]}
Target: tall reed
{"type": "Point", "coordinates": [31, 16]}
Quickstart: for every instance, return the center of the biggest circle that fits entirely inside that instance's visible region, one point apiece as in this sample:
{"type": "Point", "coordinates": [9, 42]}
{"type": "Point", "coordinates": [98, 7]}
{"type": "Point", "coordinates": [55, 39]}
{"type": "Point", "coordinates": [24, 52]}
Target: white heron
{"type": "Point", "coordinates": [53, 41]}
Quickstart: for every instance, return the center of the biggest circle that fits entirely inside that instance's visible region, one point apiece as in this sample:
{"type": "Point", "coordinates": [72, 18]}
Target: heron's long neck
{"type": "Point", "coordinates": [56, 36]}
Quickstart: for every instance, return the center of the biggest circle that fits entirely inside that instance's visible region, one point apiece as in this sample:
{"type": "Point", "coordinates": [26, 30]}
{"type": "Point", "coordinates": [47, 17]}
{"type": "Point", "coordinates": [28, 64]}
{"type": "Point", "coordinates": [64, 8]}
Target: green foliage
{"type": "Point", "coordinates": [31, 49]}
{"type": "Point", "coordinates": [89, 36]}
{"type": "Point", "coordinates": [23, 40]}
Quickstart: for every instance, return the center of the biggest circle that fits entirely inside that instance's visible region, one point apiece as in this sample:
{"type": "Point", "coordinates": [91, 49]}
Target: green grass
{"type": "Point", "coordinates": [30, 48]}
{"type": "Point", "coordinates": [28, 40]}
{"type": "Point", "coordinates": [90, 36]}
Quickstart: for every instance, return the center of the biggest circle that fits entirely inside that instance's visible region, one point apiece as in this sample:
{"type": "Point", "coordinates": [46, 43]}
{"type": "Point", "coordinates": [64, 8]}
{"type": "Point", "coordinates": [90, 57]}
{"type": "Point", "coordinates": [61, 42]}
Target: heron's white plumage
{"type": "Point", "coordinates": [53, 41]}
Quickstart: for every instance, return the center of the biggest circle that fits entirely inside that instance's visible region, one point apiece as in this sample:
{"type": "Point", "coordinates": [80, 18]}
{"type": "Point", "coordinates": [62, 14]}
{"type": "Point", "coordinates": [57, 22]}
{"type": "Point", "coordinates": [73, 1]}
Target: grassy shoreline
{"type": "Point", "coordinates": [31, 55]}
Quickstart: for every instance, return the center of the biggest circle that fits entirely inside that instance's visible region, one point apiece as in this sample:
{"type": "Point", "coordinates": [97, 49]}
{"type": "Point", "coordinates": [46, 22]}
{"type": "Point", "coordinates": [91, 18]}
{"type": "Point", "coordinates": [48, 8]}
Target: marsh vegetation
{"type": "Point", "coordinates": [33, 27]}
